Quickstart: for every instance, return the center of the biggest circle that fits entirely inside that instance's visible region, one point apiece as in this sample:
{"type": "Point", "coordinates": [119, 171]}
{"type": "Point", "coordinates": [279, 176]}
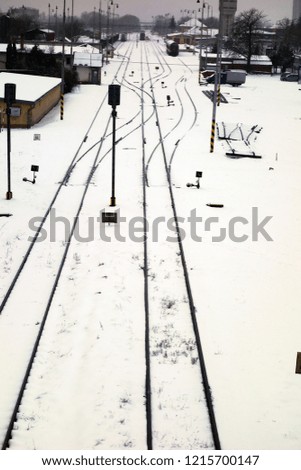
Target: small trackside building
{"type": "Point", "coordinates": [88, 66]}
{"type": "Point", "coordinates": [35, 97]}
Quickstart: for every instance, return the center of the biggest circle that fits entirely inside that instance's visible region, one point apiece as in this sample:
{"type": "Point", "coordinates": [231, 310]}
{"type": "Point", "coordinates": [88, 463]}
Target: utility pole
{"type": "Point", "coordinates": [63, 62]}
{"type": "Point", "coordinates": [72, 29]}
{"type": "Point", "coordinates": [217, 75]}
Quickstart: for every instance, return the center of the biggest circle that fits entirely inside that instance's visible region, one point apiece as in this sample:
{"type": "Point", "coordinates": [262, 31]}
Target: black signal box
{"type": "Point", "coordinates": [109, 217]}
{"type": "Point", "coordinates": [9, 93]}
{"type": "Point", "coordinates": [114, 95]}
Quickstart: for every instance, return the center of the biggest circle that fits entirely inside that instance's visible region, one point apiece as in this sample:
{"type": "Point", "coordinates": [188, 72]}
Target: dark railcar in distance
{"type": "Point", "coordinates": [172, 48]}
{"type": "Point", "coordinates": [123, 37]}
{"type": "Point", "coordinates": [142, 36]}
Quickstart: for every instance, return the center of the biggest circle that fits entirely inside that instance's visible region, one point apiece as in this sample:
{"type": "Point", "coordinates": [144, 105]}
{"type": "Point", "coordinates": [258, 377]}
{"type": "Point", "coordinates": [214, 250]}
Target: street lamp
{"type": "Point", "coordinates": [94, 15]}
{"type": "Point", "coordinates": [107, 32]}
{"type": "Point", "coordinates": [110, 7]}
{"type": "Point", "coordinates": [71, 29]}
{"type": "Point", "coordinates": [49, 17]}
{"type": "Point", "coordinates": [100, 29]}
{"type": "Point", "coordinates": [166, 23]}
{"type": "Point", "coordinates": [113, 5]}
{"type": "Point", "coordinates": [210, 12]}
{"type": "Point", "coordinates": [201, 40]}
{"type": "Point", "coordinates": [56, 31]}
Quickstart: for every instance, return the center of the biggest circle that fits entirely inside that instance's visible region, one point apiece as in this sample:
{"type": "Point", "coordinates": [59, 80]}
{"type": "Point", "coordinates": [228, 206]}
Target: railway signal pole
{"type": "Point", "coordinates": [9, 97]}
{"type": "Point", "coordinates": [114, 100]}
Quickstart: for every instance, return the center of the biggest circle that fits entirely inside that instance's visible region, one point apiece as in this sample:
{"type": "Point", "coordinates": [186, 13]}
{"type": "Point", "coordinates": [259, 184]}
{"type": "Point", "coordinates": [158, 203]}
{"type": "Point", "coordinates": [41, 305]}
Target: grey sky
{"type": "Point", "coordinates": [145, 9]}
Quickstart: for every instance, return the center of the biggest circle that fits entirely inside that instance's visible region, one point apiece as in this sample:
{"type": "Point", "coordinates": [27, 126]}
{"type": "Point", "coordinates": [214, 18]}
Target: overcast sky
{"type": "Point", "coordinates": [145, 9]}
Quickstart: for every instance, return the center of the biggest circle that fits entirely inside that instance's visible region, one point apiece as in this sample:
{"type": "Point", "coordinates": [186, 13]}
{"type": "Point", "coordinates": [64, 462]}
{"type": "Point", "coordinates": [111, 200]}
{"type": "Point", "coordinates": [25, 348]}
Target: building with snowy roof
{"type": "Point", "coordinates": [230, 60]}
{"type": "Point", "coordinates": [39, 34]}
{"type": "Point", "coordinates": [192, 31]}
{"type": "Point", "coordinates": [86, 59]}
{"type": "Point", "coordinates": [35, 97]}
{"type": "Point", "coordinates": [193, 36]}
{"type": "Point", "coordinates": [88, 66]}
{"type": "Point", "coordinates": [192, 23]}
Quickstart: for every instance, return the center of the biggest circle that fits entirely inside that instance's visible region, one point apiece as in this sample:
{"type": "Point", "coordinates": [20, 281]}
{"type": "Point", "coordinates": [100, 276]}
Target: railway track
{"type": "Point", "coordinates": [180, 84]}
{"type": "Point", "coordinates": [64, 181]}
{"type": "Point", "coordinates": [27, 285]}
{"type": "Point", "coordinates": [134, 408]}
{"type": "Point", "coordinates": [176, 380]}
{"type": "Point", "coordinates": [25, 327]}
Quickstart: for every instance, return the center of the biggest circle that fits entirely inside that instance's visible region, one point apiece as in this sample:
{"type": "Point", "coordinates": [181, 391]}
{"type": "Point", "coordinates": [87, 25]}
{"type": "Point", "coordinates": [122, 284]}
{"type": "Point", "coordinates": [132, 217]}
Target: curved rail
{"type": "Point", "coordinates": [192, 308]}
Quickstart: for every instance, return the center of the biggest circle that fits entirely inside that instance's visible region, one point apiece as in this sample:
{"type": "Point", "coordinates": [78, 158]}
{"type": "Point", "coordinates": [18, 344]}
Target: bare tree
{"type": "Point", "coordinates": [246, 34]}
{"type": "Point", "coordinates": [287, 43]}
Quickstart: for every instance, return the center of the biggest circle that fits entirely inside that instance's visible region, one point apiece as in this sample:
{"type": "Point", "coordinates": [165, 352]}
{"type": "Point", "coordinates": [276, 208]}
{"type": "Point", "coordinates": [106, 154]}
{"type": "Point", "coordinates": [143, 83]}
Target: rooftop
{"type": "Point", "coordinates": [28, 87]}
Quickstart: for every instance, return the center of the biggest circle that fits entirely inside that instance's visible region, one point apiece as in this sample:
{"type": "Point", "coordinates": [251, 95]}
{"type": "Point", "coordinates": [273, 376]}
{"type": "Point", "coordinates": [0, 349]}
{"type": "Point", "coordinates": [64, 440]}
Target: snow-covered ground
{"type": "Point", "coordinates": [247, 293]}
